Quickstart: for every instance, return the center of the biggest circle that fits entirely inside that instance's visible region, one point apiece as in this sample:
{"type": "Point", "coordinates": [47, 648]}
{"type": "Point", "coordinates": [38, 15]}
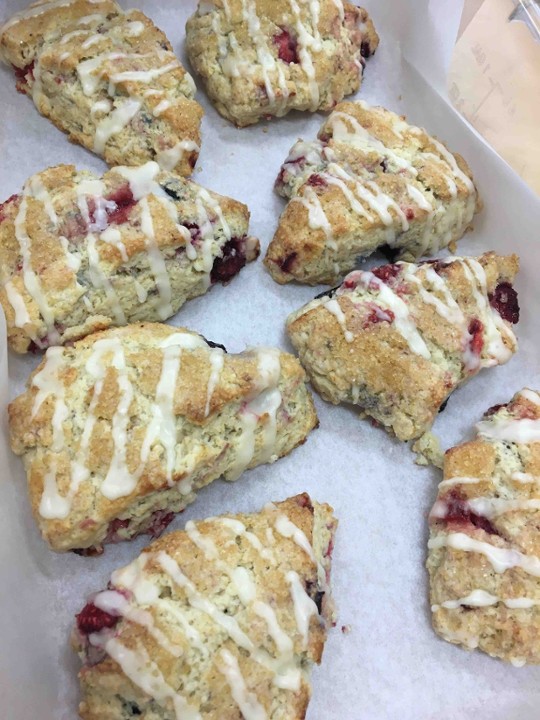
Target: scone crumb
{"type": "Point", "coordinates": [428, 450]}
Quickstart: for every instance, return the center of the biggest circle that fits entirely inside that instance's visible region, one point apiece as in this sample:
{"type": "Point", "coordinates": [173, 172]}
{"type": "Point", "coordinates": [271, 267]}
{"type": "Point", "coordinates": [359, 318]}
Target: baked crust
{"type": "Point", "coordinates": [484, 556]}
{"type": "Point", "coordinates": [118, 432]}
{"type": "Point", "coordinates": [107, 78]}
{"type": "Point", "coordinates": [370, 180]}
{"type": "Point", "coordinates": [262, 58]}
{"type": "Point", "coordinates": [229, 615]}
{"type": "Point", "coordinates": [79, 253]}
{"type": "Point", "coordinates": [398, 340]}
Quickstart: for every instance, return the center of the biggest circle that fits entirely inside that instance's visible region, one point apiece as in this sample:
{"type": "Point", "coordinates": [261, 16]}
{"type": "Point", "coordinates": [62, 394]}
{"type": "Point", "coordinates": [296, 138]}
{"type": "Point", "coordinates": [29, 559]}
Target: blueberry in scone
{"type": "Point", "coordinates": [370, 181]}
{"type": "Point", "coordinates": [119, 431]}
{"type": "Point", "coordinates": [80, 253]}
{"type": "Point", "coordinates": [107, 78]}
{"type": "Point", "coordinates": [221, 621]}
{"type": "Point", "coordinates": [262, 58]}
{"type": "Point", "coordinates": [398, 339]}
{"type": "Point", "coordinates": [484, 547]}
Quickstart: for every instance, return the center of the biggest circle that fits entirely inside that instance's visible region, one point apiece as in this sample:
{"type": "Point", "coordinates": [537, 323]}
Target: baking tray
{"type": "Point", "coordinates": [390, 666]}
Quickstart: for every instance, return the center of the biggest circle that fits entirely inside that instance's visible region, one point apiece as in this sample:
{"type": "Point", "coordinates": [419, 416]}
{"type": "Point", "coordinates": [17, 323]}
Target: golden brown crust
{"type": "Point", "coordinates": [108, 79]}
{"type": "Point", "coordinates": [194, 576]}
{"type": "Point", "coordinates": [80, 253]}
{"type": "Point", "coordinates": [370, 179]}
{"type": "Point", "coordinates": [399, 341]}
{"type": "Point", "coordinates": [132, 421]}
{"type": "Point", "coordinates": [267, 57]}
{"type": "Point", "coordinates": [484, 558]}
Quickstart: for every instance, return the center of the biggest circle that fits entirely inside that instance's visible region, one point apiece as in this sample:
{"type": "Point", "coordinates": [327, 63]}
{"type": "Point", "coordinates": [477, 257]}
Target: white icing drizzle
{"type": "Point", "coordinates": [143, 76]}
{"type": "Point", "coordinates": [238, 528]}
{"type": "Point", "coordinates": [157, 262]}
{"type": "Point", "coordinates": [113, 236]}
{"type": "Point", "coordinates": [143, 672]}
{"type": "Point", "coordinates": [216, 366]}
{"type": "Point", "coordinates": [488, 507]}
{"type": "Point", "coordinates": [460, 481]}
{"type": "Point", "coordinates": [513, 430]}
{"type": "Point", "coordinates": [308, 42]}
{"type": "Point", "coordinates": [115, 122]}
{"type": "Point", "coordinates": [334, 308]}
{"type": "Point", "coordinates": [481, 598]}
{"type": "Point", "coordinates": [92, 40]}
{"type": "Point", "coordinates": [119, 481]}
{"type": "Point", "coordinates": [288, 529]}
{"type": "Point", "coordinates": [420, 199]}
{"type": "Point", "coordinates": [451, 162]}
{"type": "Point", "coordinates": [35, 189]}
{"type": "Point", "coordinates": [525, 478]}
{"type": "Point", "coordinates": [317, 218]}
{"type": "Point", "coordinates": [247, 701]}
{"type": "Point", "coordinates": [16, 301]}
{"type": "Point", "coordinates": [162, 426]}
{"type": "Point", "coordinates": [403, 321]}
{"type": "Point", "coordinates": [304, 606]}
{"type": "Point", "coordinates": [168, 159]}
{"type": "Point", "coordinates": [36, 11]}
{"type": "Point", "coordinates": [267, 402]}
{"type": "Point", "coordinates": [494, 326]}
{"type": "Point", "coordinates": [135, 28]}
{"type": "Point", "coordinates": [99, 280]}
{"type": "Point", "coordinates": [530, 395]}
{"type": "Point", "coordinates": [500, 558]}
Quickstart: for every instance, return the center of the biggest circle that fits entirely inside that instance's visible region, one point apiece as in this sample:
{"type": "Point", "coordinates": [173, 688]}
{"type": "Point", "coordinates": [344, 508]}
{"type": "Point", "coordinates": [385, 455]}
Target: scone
{"type": "Point", "coordinates": [80, 253]}
{"type": "Point", "coordinates": [263, 58]}
{"type": "Point", "coordinates": [118, 432]}
{"type": "Point", "coordinates": [399, 339]}
{"type": "Point", "coordinates": [484, 548]}
{"type": "Point", "coordinates": [222, 621]}
{"type": "Point", "coordinates": [369, 181]}
{"type": "Point", "coordinates": [107, 78]}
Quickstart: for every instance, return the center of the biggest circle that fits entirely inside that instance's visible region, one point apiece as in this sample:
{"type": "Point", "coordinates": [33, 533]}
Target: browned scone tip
{"type": "Point", "coordinates": [484, 547]}
{"type": "Point", "coordinates": [107, 78]}
{"type": "Point", "coordinates": [81, 253]}
{"type": "Point", "coordinates": [264, 58]}
{"type": "Point", "coordinates": [399, 339]}
{"type": "Point", "coordinates": [218, 622]}
{"type": "Point", "coordinates": [371, 180]}
{"type": "Point", "coordinates": [118, 432]}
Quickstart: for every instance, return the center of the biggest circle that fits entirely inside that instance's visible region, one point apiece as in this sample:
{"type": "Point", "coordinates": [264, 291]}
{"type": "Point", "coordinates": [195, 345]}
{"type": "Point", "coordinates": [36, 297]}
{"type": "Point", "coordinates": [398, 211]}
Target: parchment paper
{"type": "Point", "coordinates": [391, 666]}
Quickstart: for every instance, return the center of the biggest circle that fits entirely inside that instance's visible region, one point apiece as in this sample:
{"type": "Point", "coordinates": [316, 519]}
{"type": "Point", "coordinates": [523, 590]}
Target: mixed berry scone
{"type": "Point", "coordinates": [221, 621]}
{"type": "Point", "coordinates": [79, 253]}
{"type": "Point", "coordinates": [484, 549]}
{"type": "Point", "coordinates": [118, 432]}
{"type": "Point", "coordinates": [263, 58]}
{"type": "Point", "coordinates": [370, 180]}
{"type": "Point", "coordinates": [107, 78]}
{"type": "Point", "coordinates": [398, 339]}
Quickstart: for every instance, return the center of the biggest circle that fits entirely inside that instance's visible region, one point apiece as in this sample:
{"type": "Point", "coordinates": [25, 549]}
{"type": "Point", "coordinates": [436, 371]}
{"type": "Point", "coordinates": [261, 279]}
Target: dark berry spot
{"type": "Point", "coordinates": [91, 619]}
{"type": "Point", "coordinates": [287, 263]}
{"type": "Point", "coordinates": [386, 272]}
{"type": "Point", "coordinates": [93, 551]}
{"type": "Point", "coordinates": [409, 214]}
{"type": "Point", "coordinates": [124, 200]}
{"type": "Point", "coordinates": [215, 345]}
{"type": "Point", "coordinates": [24, 76]}
{"type": "Point", "coordinates": [317, 181]}
{"type": "Point", "coordinates": [378, 315]}
{"type": "Point", "coordinates": [172, 191]}
{"type": "Point", "coordinates": [231, 262]}
{"type": "Point", "coordinates": [4, 206]}
{"type": "Point", "coordinates": [505, 301]}
{"type": "Point", "coordinates": [365, 49]}
{"type": "Point", "coordinates": [304, 501]}
{"type": "Point", "coordinates": [443, 405]}
{"type": "Point", "coordinates": [389, 253]}
{"type": "Point", "coordinates": [493, 409]}
{"type": "Point", "coordinates": [457, 512]}
{"type": "Point", "coordinates": [130, 708]}
{"type": "Point", "coordinates": [327, 293]}
{"type": "Point", "coordinates": [159, 521]}
{"type": "Point", "coordinates": [194, 230]}
{"type": "Point", "coordinates": [384, 165]}
{"type": "Point", "coordinates": [114, 526]}
{"type": "Point", "coordinates": [287, 46]}
{"type": "Point", "coordinates": [315, 594]}
{"type": "Point", "coordinates": [476, 330]}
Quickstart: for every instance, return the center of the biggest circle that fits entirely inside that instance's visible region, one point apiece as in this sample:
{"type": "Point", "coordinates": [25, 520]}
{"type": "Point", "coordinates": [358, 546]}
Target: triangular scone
{"type": "Point", "coordinates": [221, 621]}
{"type": "Point", "coordinates": [370, 180]}
{"type": "Point", "coordinates": [118, 432]}
{"type": "Point", "coordinates": [107, 78]}
{"type": "Point", "coordinates": [484, 547]}
{"type": "Point", "coordinates": [80, 253]}
{"type": "Point", "coordinates": [398, 339]}
{"type": "Point", "coordinates": [262, 58]}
